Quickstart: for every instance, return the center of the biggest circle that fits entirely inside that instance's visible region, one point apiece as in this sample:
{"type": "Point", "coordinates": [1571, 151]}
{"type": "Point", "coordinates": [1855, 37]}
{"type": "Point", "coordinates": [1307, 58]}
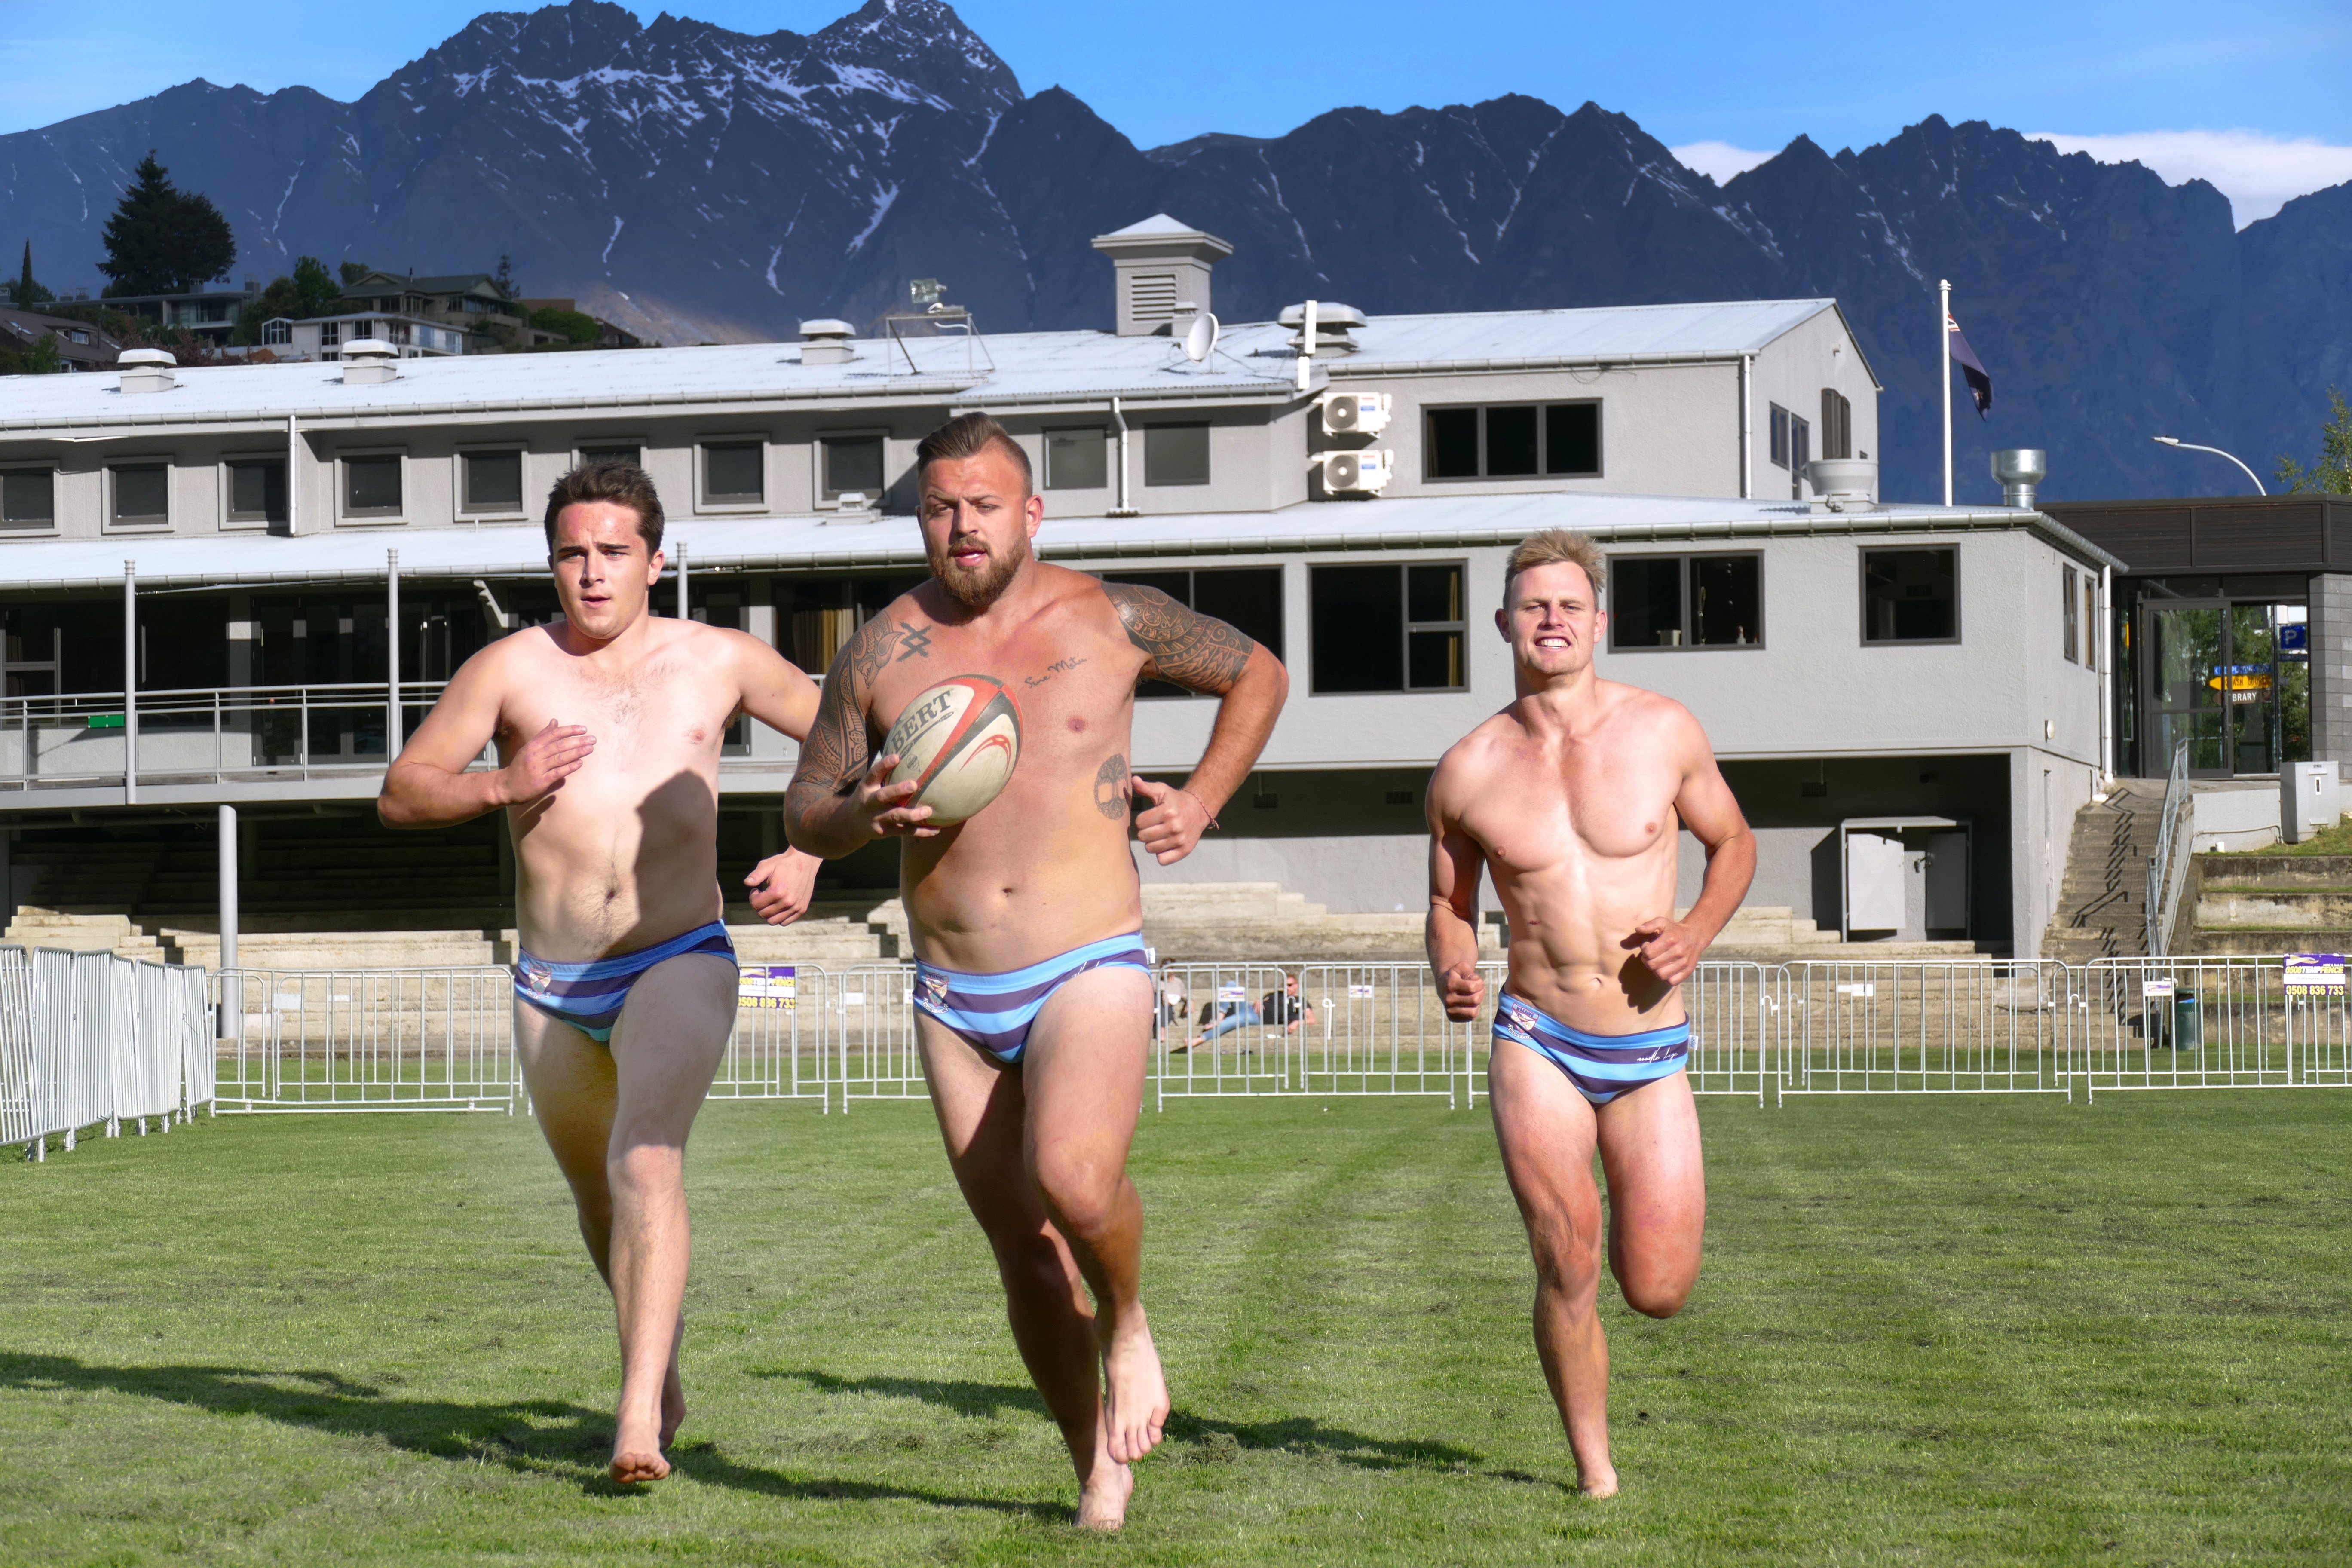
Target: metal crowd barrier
{"type": "Point", "coordinates": [87, 1038]}
{"type": "Point", "coordinates": [90, 1039]}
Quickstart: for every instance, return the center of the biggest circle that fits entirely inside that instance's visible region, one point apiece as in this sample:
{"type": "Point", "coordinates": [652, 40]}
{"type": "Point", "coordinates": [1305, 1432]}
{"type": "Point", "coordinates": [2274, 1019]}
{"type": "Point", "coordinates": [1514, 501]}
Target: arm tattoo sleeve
{"type": "Point", "coordinates": [1198, 652]}
{"type": "Point", "coordinates": [834, 758]}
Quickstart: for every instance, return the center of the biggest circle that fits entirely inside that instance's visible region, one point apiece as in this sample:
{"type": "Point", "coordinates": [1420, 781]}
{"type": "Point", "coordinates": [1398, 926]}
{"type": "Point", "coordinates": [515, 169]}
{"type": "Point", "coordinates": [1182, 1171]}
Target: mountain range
{"type": "Point", "coordinates": [697, 184]}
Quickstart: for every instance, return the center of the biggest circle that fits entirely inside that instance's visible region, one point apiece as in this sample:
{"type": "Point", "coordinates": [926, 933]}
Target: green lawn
{"type": "Point", "coordinates": [1931, 1330]}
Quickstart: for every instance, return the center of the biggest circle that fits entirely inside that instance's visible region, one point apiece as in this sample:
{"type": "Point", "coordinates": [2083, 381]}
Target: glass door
{"type": "Point", "coordinates": [2249, 685]}
{"type": "Point", "coordinates": [2183, 648]}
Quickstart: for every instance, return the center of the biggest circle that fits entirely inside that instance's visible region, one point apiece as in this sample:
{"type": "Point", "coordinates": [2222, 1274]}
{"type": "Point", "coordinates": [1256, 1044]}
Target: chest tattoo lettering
{"type": "Point", "coordinates": [1111, 788]}
{"type": "Point", "coordinates": [915, 642]}
{"type": "Point", "coordinates": [1059, 667]}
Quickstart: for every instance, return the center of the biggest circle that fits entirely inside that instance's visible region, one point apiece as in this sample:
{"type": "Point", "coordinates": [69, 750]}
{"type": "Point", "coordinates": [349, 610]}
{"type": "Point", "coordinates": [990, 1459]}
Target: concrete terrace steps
{"type": "Point", "coordinates": [2270, 903]}
{"type": "Point", "coordinates": [2103, 901]}
{"type": "Point", "coordinates": [32, 927]}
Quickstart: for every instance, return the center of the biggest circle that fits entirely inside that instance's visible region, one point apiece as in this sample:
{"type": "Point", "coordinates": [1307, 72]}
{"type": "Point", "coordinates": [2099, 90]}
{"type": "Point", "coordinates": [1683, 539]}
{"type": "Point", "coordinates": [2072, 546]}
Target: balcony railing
{"type": "Point", "coordinates": [243, 735]}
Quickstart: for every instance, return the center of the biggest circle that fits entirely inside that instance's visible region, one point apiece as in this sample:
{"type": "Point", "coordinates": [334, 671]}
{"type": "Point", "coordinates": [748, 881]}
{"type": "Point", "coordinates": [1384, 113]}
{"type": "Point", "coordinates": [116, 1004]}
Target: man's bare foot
{"type": "Point", "coordinates": [1102, 1498]}
{"type": "Point", "coordinates": [637, 1456]}
{"type": "Point", "coordinates": [1601, 1485]}
{"type": "Point", "coordinates": [1135, 1394]}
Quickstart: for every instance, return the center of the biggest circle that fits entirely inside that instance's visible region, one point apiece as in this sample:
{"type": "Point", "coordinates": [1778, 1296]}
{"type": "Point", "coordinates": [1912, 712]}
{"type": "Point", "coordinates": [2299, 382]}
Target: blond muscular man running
{"type": "Point", "coordinates": [1572, 795]}
{"type": "Point", "coordinates": [1033, 1004]}
{"type": "Point", "coordinates": [609, 724]}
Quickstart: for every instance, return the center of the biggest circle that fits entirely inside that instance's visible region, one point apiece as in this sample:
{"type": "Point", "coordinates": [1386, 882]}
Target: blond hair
{"type": "Point", "coordinates": [1555, 547]}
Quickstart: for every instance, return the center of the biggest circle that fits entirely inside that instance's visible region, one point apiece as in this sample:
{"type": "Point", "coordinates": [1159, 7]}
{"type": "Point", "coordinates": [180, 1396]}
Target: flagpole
{"type": "Point", "coordinates": [1944, 371]}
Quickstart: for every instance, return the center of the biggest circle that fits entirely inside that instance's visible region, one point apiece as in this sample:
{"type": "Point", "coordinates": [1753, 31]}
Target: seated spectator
{"type": "Point", "coordinates": [1286, 1006]}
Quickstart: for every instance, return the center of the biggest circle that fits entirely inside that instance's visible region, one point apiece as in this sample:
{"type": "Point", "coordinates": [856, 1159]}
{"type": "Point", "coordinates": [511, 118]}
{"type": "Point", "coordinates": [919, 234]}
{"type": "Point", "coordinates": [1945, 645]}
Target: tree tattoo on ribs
{"type": "Point", "coordinates": [1112, 789]}
{"type": "Point", "coordinates": [1178, 643]}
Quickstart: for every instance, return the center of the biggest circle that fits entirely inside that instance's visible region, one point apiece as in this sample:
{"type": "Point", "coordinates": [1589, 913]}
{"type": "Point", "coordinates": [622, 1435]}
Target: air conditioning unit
{"type": "Point", "coordinates": [1356, 412]}
{"type": "Point", "coordinates": [1356, 473]}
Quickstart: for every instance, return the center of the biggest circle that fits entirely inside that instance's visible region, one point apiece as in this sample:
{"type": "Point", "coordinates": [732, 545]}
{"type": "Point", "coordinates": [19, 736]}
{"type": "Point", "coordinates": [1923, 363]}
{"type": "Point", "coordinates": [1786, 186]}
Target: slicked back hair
{"type": "Point", "coordinates": [622, 484]}
{"type": "Point", "coordinates": [968, 436]}
{"type": "Point", "coordinates": [1554, 547]}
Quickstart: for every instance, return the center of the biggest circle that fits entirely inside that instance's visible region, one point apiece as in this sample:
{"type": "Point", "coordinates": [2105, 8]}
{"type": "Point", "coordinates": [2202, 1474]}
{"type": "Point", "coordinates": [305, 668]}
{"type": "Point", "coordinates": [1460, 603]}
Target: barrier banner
{"type": "Point", "coordinates": [2315, 974]}
{"type": "Point", "coordinates": [768, 985]}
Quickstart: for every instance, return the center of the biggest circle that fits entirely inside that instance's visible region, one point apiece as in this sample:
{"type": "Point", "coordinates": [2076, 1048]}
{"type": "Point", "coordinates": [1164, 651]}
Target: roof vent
{"type": "Point", "coordinates": [1845, 484]}
{"type": "Point", "coordinates": [148, 370]}
{"type": "Point", "coordinates": [2020, 471]}
{"type": "Point", "coordinates": [827, 341]}
{"type": "Point", "coordinates": [369, 361]}
{"type": "Point", "coordinates": [1333, 322]}
{"type": "Point", "coordinates": [1159, 262]}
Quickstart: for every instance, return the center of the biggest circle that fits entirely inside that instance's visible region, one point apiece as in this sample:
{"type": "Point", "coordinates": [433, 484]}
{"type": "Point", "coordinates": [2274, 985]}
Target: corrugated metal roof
{"type": "Point", "coordinates": [1254, 359]}
{"type": "Point", "coordinates": [817, 544]}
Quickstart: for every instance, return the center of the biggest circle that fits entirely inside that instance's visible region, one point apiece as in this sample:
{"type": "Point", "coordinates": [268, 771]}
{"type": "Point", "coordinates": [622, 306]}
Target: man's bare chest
{"type": "Point", "coordinates": [1540, 808]}
{"type": "Point", "coordinates": [659, 715]}
{"type": "Point", "coordinates": [1073, 688]}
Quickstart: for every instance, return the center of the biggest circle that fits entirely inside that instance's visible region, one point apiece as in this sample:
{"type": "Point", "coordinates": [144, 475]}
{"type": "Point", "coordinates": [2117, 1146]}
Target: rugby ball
{"type": "Point", "coordinates": [958, 742]}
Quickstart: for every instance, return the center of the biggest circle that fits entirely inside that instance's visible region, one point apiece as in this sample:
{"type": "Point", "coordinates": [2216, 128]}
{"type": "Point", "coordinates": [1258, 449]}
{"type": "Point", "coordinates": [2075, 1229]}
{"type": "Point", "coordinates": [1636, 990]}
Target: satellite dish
{"type": "Point", "coordinates": [1201, 342]}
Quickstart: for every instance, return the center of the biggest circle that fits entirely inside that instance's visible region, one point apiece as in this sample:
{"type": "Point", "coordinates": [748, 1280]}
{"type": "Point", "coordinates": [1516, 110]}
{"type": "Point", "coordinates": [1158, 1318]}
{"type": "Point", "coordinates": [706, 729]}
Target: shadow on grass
{"type": "Point", "coordinates": [529, 1436]}
{"type": "Point", "coordinates": [1296, 1433]}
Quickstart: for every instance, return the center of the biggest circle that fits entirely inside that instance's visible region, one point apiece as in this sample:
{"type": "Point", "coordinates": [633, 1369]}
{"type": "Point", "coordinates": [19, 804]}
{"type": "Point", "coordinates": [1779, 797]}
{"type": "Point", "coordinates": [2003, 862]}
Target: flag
{"type": "Point", "coordinates": [1980, 381]}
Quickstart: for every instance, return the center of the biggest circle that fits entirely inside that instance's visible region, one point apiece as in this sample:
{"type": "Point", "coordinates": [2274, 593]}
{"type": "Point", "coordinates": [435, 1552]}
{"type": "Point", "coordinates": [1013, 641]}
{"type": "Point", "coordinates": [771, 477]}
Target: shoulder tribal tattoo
{"type": "Point", "coordinates": [834, 757]}
{"type": "Point", "coordinates": [1198, 652]}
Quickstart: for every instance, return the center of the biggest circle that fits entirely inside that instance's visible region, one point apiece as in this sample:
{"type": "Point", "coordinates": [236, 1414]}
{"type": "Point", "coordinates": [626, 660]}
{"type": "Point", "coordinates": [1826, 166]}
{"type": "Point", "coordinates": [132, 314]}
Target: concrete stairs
{"type": "Point", "coordinates": [2103, 901]}
{"type": "Point", "coordinates": [34, 927]}
{"type": "Point", "coordinates": [2257, 904]}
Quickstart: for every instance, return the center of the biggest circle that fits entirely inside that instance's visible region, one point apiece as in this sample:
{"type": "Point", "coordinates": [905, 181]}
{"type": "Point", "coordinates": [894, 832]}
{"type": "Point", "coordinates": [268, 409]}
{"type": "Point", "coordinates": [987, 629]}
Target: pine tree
{"type": "Point", "coordinates": [2332, 475]}
{"type": "Point", "coordinates": [161, 241]}
{"type": "Point", "coordinates": [27, 292]}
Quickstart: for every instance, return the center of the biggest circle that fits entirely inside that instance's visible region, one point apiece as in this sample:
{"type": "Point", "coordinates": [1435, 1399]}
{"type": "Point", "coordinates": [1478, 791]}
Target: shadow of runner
{"type": "Point", "coordinates": [1296, 1433]}
{"type": "Point", "coordinates": [529, 1436]}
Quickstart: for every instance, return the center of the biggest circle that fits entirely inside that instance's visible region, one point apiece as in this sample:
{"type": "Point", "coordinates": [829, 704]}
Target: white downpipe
{"type": "Point", "coordinates": [293, 475]}
{"type": "Point", "coordinates": [1306, 344]}
{"type": "Point", "coordinates": [1118, 417]}
{"type": "Point", "coordinates": [2106, 647]}
{"type": "Point", "coordinates": [1747, 427]}
{"type": "Point", "coordinates": [682, 606]}
{"type": "Point", "coordinates": [392, 654]}
{"type": "Point", "coordinates": [228, 887]}
{"type": "Point", "coordinates": [1943, 373]}
{"type": "Point", "coordinates": [130, 683]}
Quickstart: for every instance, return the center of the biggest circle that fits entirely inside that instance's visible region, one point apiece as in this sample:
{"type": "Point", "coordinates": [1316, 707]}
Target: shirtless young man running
{"type": "Point", "coordinates": [1572, 795]}
{"type": "Point", "coordinates": [609, 724]}
{"type": "Point", "coordinates": [1033, 1004]}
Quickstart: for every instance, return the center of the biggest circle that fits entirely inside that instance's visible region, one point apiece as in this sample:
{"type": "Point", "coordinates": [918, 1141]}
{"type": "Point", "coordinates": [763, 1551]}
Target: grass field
{"type": "Point", "coordinates": [1931, 1330]}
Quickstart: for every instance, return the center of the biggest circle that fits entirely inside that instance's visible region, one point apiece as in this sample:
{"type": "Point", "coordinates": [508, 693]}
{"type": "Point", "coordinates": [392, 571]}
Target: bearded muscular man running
{"type": "Point", "coordinates": [1033, 1004]}
{"type": "Point", "coordinates": [1572, 797]}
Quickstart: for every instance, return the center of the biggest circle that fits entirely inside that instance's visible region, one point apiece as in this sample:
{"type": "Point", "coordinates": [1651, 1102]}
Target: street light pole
{"type": "Point", "coordinates": [2192, 446]}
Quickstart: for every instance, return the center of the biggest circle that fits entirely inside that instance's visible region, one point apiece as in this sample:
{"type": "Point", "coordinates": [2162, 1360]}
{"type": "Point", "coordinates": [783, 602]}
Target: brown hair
{"type": "Point", "coordinates": [1555, 547]}
{"type": "Point", "coordinates": [622, 484]}
{"type": "Point", "coordinates": [968, 436]}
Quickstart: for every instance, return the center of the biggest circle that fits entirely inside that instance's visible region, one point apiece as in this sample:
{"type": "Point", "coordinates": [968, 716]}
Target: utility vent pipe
{"type": "Point", "coordinates": [148, 370]}
{"type": "Point", "coordinates": [369, 361]}
{"type": "Point", "coordinates": [826, 340]}
{"type": "Point", "coordinates": [2020, 471]}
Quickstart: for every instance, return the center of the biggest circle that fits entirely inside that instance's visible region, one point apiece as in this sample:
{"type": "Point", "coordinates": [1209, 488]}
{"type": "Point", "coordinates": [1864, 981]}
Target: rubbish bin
{"type": "Point", "coordinates": [2187, 1028]}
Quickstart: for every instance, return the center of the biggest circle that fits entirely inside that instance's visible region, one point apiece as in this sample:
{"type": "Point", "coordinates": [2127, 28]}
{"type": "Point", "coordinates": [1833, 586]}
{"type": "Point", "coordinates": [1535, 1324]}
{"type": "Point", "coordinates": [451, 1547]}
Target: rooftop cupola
{"type": "Point", "coordinates": [369, 361]}
{"type": "Point", "coordinates": [1159, 263]}
{"type": "Point", "coordinates": [1333, 324]}
{"type": "Point", "coordinates": [148, 370]}
{"type": "Point", "coordinates": [827, 341]}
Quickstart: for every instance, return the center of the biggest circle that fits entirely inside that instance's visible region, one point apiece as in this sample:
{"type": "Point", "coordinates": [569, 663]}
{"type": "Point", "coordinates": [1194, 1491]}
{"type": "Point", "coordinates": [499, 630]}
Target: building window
{"type": "Point", "coordinates": [590, 457]}
{"type": "Point", "coordinates": [1520, 440]}
{"type": "Point", "coordinates": [1778, 443]}
{"type": "Point", "coordinates": [734, 473]}
{"type": "Point", "coordinates": [851, 463]}
{"type": "Point", "coordinates": [1685, 600]}
{"type": "Point", "coordinates": [1387, 628]}
{"type": "Point", "coordinates": [276, 333]}
{"type": "Point", "coordinates": [2089, 621]}
{"type": "Point", "coordinates": [1247, 598]}
{"type": "Point", "coordinates": [256, 489]}
{"type": "Point", "coordinates": [1837, 424]}
{"type": "Point", "coordinates": [1077, 459]}
{"type": "Point", "coordinates": [142, 494]}
{"type": "Point", "coordinates": [1176, 455]}
{"type": "Point", "coordinates": [2068, 631]}
{"type": "Point", "coordinates": [28, 496]}
{"type": "Point", "coordinates": [330, 334]}
{"type": "Point", "coordinates": [492, 481]}
{"type": "Point", "coordinates": [1910, 595]}
{"type": "Point", "coordinates": [371, 486]}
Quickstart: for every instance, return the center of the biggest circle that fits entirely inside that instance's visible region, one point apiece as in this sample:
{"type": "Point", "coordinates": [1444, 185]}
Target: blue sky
{"type": "Point", "coordinates": [2254, 96]}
